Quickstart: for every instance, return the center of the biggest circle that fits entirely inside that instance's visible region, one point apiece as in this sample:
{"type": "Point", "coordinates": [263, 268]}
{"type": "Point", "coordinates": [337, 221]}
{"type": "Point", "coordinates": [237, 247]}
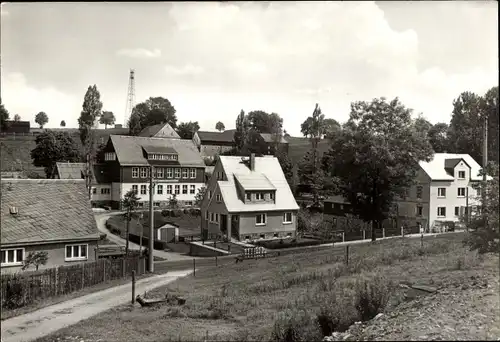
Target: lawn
{"type": "Point", "coordinates": [260, 299]}
{"type": "Point", "coordinates": [188, 224]}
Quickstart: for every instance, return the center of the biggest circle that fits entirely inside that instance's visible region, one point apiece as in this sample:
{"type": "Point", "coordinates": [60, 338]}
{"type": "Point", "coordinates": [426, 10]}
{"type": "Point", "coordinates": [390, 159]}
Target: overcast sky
{"type": "Point", "coordinates": [213, 59]}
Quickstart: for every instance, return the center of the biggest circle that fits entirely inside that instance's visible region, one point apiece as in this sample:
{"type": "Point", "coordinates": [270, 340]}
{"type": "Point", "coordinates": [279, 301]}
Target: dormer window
{"type": "Point", "coordinates": [259, 196]}
{"type": "Point", "coordinates": [249, 196]}
{"type": "Point", "coordinates": [461, 174]}
{"type": "Point", "coordinates": [162, 156]}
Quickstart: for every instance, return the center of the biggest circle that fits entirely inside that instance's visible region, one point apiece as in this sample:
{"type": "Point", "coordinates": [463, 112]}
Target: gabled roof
{"type": "Point", "coordinates": [267, 166]}
{"type": "Point", "coordinates": [129, 150]}
{"type": "Point", "coordinates": [226, 136]}
{"type": "Point", "coordinates": [270, 138]}
{"type": "Point", "coordinates": [159, 131]}
{"type": "Point", "coordinates": [254, 181]}
{"type": "Point", "coordinates": [49, 210]}
{"type": "Point", "coordinates": [436, 168]}
{"type": "Point", "coordinates": [77, 171]}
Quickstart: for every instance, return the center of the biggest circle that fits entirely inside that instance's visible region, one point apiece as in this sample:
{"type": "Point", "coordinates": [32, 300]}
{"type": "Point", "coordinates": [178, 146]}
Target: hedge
{"type": "Point", "coordinates": [157, 244]}
{"type": "Point", "coordinates": [279, 244]}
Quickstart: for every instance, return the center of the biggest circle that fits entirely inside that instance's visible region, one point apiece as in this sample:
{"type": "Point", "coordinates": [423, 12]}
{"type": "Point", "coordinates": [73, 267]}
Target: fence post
{"type": "Point", "coordinates": [343, 236]}
{"type": "Point", "coordinates": [383, 232]}
{"type": "Point", "coordinates": [422, 240]}
{"type": "Point", "coordinates": [123, 268]}
{"type": "Point", "coordinates": [364, 234]}
{"type": "Point", "coordinates": [229, 248]}
{"type": "Point", "coordinates": [104, 263]}
{"type": "Point", "coordinates": [347, 255]}
{"type": "Point", "coordinates": [216, 260]}
{"type": "Point", "coordinates": [133, 286]}
{"type": "Point", "coordinates": [194, 267]}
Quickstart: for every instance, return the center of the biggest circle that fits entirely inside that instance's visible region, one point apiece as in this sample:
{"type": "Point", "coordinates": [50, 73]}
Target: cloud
{"type": "Point", "coordinates": [187, 69]}
{"type": "Point", "coordinates": [139, 53]}
{"type": "Point", "coordinates": [21, 98]}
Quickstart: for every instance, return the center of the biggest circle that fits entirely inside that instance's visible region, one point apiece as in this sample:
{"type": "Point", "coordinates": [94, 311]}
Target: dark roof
{"type": "Point", "coordinates": [270, 138]}
{"type": "Point", "coordinates": [49, 210]}
{"type": "Point", "coordinates": [129, 150]}
{"type": "Point", "coordinates": [152, 131]}
{"type": "Point", "coordinates": [159, 149]}
{"type": "Point", "coordinates": [449, 164]}
{"type": "Point", "coordinates": [226, 136]}
{"type": "Point", "coordinates": [77, 171]}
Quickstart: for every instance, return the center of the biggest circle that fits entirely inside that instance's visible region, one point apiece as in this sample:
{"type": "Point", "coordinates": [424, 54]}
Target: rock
{"type": "Point", "coordinates": [379, 315]}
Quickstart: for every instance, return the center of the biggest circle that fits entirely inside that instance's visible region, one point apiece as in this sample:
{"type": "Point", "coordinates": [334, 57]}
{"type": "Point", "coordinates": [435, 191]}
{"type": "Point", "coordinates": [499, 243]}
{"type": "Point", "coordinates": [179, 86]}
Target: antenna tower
{"type": "Point", "coordinates": [130, 97]}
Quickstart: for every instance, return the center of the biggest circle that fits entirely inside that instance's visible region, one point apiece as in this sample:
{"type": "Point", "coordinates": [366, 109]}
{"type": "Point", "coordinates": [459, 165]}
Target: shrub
{"type": "Point", "coordinates": [275, 244]}
{"type": "Point", "coordinates": [165, 213]}
{"type": "Point", "coordinates": [185, 211]}
{"type": "Point", "coordinates": [335, 314]}
{"type": "Point", "coordinates": [371, 296]}
{"type": "Point", "coordinates": [14, 294]}
{"type": "Point", "coordinates": [195, 212]}
{"type": "Point", "coordinates": [295, 325]}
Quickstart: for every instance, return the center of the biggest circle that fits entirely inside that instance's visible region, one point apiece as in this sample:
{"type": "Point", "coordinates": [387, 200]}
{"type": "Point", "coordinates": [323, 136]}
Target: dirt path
{"type": "Point", "coordinates": [101, 225]}
{"type": "Point", "coordinates": [50, 319]}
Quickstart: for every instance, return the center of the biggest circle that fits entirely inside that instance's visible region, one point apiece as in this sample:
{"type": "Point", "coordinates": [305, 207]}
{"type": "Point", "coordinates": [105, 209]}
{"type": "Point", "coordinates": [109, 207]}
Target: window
{"type": "Point", "coordinates": [220, 176]}
{"type": "Point", "coordinates": [259, 196]}
{"type": "Point", "coordinates": [169, 189]}
{"type": "Point", "coordinates": [420, 211]}
{"type": "Point", "coordinates": [184, 189]}
{"type": "Point", "coordinates": [192, 189]}
{"type": "Point", "coordinates": [169, 173]}
{"type": "Point", "coordinates": [76, 252]}
{"type": "Point", "coordinates": [105, 191]}
{"type": "Point", "coordinates": [441, 192]}
{"type": "Point", "coordinates": [134, 188]}
{"type": "Point", "coordinates": [12, 257]}
{"type": "Point", "coordinates": [135, 172]}
{"type": "Point", "coordinates": [184, 173]}
{"type": "Point", "coordinates": [159, 172]}
{"type": "Point", "coordinates": [156, 204]}
{"type": "Point", "coordinates": [94, 191]}
{"type": "Point", "coordinates": [207, 215]}
{"type": "Point", "coordinates": [218, 198]}
{"type": "Point", "coordinates": [216, 218]}
{"type": "Point", "coordinates": [457, 211]}
{"type": "Point", "coordinates": [441, 211]}
{"type": "Point", "coordinates": [159, 190]}
{"type": "Point", "coordinates": [177, 189]}
{"type": "Point", "coordinates": [189, 203]}
{"type": "Point", "coordinates": [271, 195]}
{"type": "Point", "coordinates": [461, 174]}
{"type": "Point", "coordinates": [109, 156]}
{"type": "Point", "coordinates": [140, 204]}
{"type": "Point", "coordinates": [192, 173]}
{"type": "Point", "coordinates": [143, 190]}
{"type": "Point", "coordinates": [209, 194]}
{"type": "Point", "coordinates": [249, 196]}
{"type": "Point", "coordinates": [287, 218]}
{"type": "Point", "coordinates": [260, 219]}
{"type": "Point", "coordinates": [144, 172]}
{"type": "Point", "coordinates": [461, 192]}
{"type": "Point", "coordinates": [419, 191]}
{"type": "Point", "coordinates": [177, 173]}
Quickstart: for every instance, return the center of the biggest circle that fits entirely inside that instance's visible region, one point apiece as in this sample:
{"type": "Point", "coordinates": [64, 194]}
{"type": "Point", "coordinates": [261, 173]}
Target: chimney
{"type": "Point", "coordinates": [252, 162]}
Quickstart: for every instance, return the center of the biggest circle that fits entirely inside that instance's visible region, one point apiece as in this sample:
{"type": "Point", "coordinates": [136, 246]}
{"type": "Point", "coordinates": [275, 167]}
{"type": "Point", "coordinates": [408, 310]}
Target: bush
{"type": "Point", "coordinates": [166, 213]}
{"type": "Point", "coordinates": [276, 244]}
{"type": "Point", "coordinates": [372, 296]}
{"type": "Point", "coordinates": [295, 325]}
{"type": "Point", "coordinates": [336, 314]}
{"type": "Point", "coordinates": [185, 211]}
{"type": "Point", "coordinates": [195, 212]}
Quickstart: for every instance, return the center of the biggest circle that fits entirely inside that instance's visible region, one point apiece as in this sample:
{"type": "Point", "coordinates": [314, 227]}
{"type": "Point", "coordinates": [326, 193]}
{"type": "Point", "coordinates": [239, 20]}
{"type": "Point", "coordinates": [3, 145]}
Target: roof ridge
{"type": "Point", "coordinates": [42, 181]}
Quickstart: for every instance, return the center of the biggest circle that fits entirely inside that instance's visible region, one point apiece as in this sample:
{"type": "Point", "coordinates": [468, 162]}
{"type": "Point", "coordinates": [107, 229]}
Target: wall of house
{"type": "Point", "coordinates": [212, 187]}
{"type": "Point", "coordinates": [56, 255]}
{"type": "Point", "coordinates": [164, 197]}
{"type": "Point", "coordinates": [199, 177]}
{"type": "Point", "coordinates": [98, 196]}
{"type": "Point", "coordinates": [274, 224]}
{"type": "Point", "coordinates": [213, 150]}
{"type": "Point", "coordinates": [452, 199]}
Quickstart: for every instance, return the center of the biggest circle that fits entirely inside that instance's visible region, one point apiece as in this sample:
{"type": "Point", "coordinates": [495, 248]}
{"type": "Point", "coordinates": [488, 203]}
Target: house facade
{"type": "Point", "coordinates": [444, 191]}
{"type": "Point", "coordinates": [248, 198]}
{"type": "Point", "coordinates": [178, 169]}
{"type": "Point", "coordinates": [46, 215]}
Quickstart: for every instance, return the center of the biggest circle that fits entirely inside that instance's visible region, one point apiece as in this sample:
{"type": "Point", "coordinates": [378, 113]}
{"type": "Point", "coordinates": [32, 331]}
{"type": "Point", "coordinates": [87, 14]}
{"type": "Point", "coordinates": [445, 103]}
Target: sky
{"type": "Point", "coordinates": [213, 59]}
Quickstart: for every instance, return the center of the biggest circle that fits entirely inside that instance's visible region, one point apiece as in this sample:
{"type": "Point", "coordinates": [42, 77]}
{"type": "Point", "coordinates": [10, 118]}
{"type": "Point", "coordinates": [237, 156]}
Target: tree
{"type": "Point", "coordinates": [286, 166]}
{"type": "Point", "coordinates": [263, 122]}
{"type": "Point", "coordinates": [129, 203]}
{"type": "Point", "coordinates": [17, 117]}
{"type": "Point", "coordinates": [376, 157]}
{"type": "Point", "coordinates": [63, 123]}
{"type": "Point", "coordinates": [490, 110]}
{"type": "Point", "coordinates": [52, 147]}
{"type": "Point", "coordinates": [107, 118]}
{"type": "Point", "coordinates": [4, 116]}
{"type": "Point", "coordinates": [220, 126]}
{"type": "Point", "coordinates": [484, 234]}
{"type": "Point", "coordinates": [91, 110]}
{"type": "Point", "coordinates": [285, 134]}
{"type": "Point", "coordinates": [311, 175]}
{"type": "Point", "coordinates": [154, 111]}
{"type": "Point", "coordinates": [172, 202]}
{"type": "Point", "coordinates": [186, 130]}
{"type": "Point", "coordinates": [41, 119]}
{"type": "Point", "coordinates": [331, 128]}
{"type": "Point", "coordinates": [465, 133]}
{"type": "Point", "coordinates": [242, 128]}
{"type": "Point", "coordinates": [438, 137]}
{"type": "Point", "coordinates": [36, 259]}
{"type": "Point", "coordinates": [198, 198]}
{"type": "Point", "coordinates": [422, 125]}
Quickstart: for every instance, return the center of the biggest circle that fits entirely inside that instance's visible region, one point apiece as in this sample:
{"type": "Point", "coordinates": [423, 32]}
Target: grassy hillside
{"type": "Point", "coordinates": [305, 293]}
{"type": "Point", "coordinates": [298, 147]}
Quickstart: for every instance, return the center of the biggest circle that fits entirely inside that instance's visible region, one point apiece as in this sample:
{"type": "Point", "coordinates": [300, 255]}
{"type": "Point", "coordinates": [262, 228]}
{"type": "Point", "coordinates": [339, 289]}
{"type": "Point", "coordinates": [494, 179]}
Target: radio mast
{"type": "Point", "coordinates": [130, 98]}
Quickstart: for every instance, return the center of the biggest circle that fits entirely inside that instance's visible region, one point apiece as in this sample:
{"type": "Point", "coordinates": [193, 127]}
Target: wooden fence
{"type": "Point", "coordinates": [24, 288]}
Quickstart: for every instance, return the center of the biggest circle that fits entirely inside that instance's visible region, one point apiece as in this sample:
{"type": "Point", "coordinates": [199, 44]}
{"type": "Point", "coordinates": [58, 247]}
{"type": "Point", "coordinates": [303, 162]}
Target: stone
{"type": "Point", "coordinates": [379, 315]}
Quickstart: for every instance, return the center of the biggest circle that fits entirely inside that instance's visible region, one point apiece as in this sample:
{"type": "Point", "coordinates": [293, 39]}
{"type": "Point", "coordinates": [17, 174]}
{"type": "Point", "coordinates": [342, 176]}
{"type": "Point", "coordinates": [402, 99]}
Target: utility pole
{"type": "Point", "coordinates": [485, 162]}
{"type": "Point", "coordinates": [151, 220]}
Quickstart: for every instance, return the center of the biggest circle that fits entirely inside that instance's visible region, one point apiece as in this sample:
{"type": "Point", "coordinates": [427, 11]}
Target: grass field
{"type": "Point", "coordinates": [298, 147]}
{"type": "Point", "coordinates": [260, 299]}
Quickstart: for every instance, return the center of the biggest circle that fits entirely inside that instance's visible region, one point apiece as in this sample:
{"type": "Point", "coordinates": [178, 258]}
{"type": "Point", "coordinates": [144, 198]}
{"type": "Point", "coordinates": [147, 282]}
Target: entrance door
{"type": "Point", "coordinates": [235, 226]}
{"type": "Point", "coordinates": [223, 224]}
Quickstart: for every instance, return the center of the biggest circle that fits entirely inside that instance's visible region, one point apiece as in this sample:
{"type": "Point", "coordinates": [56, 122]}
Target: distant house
{"type": "Point", "coordinates": [100, 183]}
{"type": "Point", "coordinates": [159, 131]}
{"type": "Point", "coordinates": [248, 198]}
{"type": "Point", "coordinates": [215, 143]}
{"type": "Point", "coordinates": [51, 215]}
{"type": "Point", "coordinates": [178, 166]}
{"type": "Point", "coordinates": [444, 191]}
